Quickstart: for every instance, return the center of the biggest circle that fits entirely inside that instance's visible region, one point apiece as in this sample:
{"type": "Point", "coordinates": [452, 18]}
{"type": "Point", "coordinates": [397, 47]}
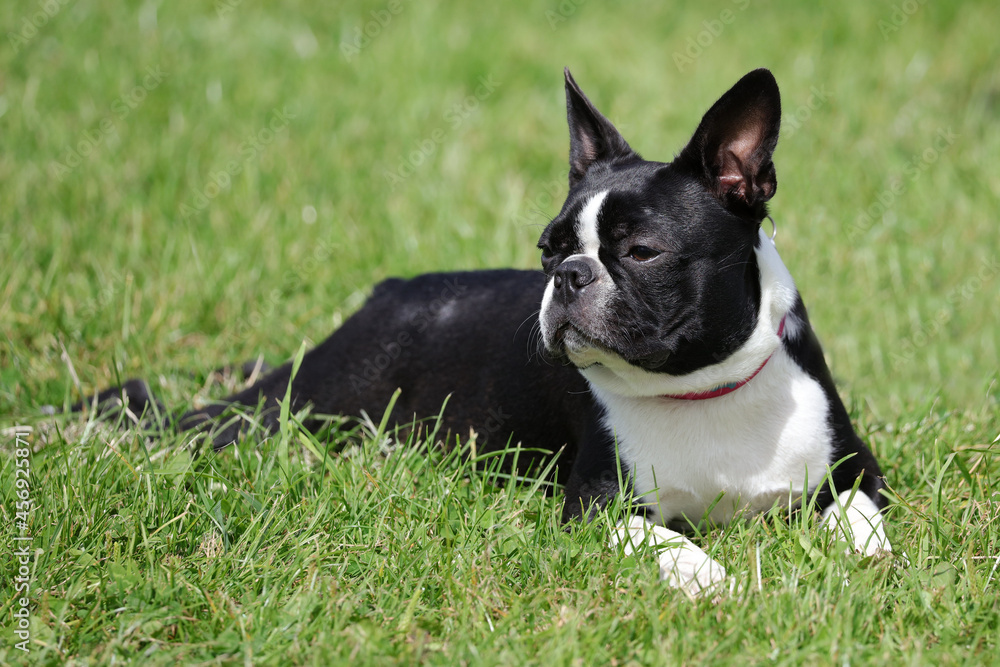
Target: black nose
{"type": "Point", "coordinates": [572, 277]}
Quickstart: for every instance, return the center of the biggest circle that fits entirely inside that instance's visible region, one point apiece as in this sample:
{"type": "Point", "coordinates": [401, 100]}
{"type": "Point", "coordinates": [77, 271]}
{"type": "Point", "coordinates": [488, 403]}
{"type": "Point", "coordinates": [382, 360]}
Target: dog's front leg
{"type": "Point", "coordinates": [682, 564]}
{"type": "Point", "coordinates": [857, 519]}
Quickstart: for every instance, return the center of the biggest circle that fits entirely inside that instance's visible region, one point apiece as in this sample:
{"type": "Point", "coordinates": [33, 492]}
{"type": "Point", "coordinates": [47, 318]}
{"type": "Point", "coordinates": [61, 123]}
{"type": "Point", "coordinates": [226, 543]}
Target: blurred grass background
{"type": "Point", "coordinates": [104, 259]}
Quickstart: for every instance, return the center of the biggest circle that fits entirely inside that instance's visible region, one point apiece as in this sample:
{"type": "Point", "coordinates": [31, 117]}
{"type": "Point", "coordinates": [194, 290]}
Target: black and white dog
{"type": "Point", "coordinates": [677, 352]}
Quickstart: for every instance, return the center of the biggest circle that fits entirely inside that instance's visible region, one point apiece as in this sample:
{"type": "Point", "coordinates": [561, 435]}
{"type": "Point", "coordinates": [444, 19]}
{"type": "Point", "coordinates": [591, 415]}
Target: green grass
{"type": "Point", "coordinates": [325, 551]}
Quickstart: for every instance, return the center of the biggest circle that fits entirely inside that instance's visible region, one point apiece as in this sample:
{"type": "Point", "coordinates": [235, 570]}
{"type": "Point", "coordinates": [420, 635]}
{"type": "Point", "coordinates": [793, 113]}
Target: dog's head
{"type": "Point", "coordinates": [660, 278]}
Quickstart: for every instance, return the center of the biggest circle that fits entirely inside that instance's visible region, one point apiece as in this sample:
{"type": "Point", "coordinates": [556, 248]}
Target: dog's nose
{"type": "Point", "coordinates": [571, 277]}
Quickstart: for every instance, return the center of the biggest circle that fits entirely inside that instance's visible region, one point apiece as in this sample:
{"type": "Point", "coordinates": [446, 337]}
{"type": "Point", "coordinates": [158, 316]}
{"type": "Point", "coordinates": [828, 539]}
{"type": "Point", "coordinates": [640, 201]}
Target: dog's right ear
{"type": "Point", "coordinates": [592, 137]}
{"type": "Point", "coordinates": [731, 150]}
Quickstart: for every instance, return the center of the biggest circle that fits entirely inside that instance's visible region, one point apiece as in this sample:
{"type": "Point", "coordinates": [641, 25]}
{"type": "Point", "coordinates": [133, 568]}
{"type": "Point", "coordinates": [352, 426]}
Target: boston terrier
{"type": "Point", "coordinates": [664, 350]}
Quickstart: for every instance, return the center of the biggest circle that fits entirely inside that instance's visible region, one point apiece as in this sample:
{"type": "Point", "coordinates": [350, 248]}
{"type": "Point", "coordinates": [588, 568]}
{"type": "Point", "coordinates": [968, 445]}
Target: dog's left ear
{"type": "Point", "coordinates": [731, 150]}
{"type": "Point", "coordinates": [592, 137]}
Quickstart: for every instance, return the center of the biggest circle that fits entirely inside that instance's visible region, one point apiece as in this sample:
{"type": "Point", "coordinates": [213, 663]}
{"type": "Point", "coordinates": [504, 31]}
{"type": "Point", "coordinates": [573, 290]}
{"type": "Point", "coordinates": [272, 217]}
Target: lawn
{"type": "Point", "coordinates": [188, 184]}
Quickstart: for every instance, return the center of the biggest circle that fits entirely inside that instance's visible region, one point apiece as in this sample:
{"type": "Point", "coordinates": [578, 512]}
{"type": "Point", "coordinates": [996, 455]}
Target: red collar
{"type": "Point", "coordinates": [724, 389]}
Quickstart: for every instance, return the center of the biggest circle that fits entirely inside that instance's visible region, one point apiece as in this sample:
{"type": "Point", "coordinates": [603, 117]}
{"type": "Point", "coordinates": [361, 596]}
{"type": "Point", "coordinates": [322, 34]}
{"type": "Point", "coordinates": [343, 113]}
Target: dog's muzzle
{"type": "Point", "coordinates": [573, 312]}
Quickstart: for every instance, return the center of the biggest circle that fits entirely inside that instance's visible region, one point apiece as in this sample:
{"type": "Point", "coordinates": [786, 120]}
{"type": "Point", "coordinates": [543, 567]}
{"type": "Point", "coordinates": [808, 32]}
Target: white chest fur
{"type": "Point", "coordinates": [760, 444]}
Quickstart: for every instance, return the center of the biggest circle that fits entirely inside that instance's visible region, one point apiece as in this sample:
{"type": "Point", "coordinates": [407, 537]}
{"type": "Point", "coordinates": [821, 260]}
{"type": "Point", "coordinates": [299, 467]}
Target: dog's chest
{"type": "Point", "coordinates": [761, 444]}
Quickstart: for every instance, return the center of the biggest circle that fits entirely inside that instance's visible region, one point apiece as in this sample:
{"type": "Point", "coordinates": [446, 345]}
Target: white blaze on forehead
{"type": "Point", "coordinates": [586, 225]}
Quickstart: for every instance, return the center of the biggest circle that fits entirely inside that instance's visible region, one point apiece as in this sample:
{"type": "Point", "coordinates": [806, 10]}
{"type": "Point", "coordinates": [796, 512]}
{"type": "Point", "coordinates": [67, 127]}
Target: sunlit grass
{"type": "Point", "coordinates": [199, 230]}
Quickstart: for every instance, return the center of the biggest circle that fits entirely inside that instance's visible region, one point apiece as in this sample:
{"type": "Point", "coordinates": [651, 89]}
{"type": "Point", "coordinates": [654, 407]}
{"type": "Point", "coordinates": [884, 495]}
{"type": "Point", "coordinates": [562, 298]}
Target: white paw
{"type": "Point", "coordinates": [682, 564]}
{"type": "Point", "coordinates": [859, 522]}
{"type": "Point", "coordinates": [689, 568]}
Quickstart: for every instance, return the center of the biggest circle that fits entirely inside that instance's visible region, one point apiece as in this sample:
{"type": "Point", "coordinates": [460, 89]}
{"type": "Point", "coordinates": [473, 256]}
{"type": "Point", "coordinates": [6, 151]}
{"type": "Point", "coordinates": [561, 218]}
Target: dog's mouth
{"type": "Point", "coordinates": [583, 350]}
{"type": "Point", "coordinates": [573, 340]}
{"type": "Point", "coordinates": [568, 342]}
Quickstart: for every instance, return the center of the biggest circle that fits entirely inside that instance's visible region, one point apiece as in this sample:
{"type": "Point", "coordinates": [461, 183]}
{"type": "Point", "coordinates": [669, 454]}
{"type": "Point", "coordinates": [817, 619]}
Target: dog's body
{"type": "Point", "coordinates": [677, 353]}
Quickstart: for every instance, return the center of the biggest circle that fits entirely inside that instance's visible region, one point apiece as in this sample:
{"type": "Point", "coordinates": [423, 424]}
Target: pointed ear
{"type": "Point", "coordinates": [732, 148]}
{"type": "Point", "coordinates": [592, 137]}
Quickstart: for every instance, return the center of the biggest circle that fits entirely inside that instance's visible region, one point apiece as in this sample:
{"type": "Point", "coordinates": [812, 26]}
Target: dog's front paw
{"type": "Point", "coordinates": [689, 568]}
{"type": "Point", "coordinates": [857, 520]}
{"type": "Point", "coordinates": [682, 564]}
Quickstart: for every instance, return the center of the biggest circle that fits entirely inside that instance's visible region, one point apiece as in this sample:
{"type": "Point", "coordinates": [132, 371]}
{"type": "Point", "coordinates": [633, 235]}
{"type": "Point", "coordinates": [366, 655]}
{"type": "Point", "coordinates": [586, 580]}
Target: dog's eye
{"type": "Point", "coordinates": [547, 255]}
{"type": "Point", "coordinates": [641, 253]}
